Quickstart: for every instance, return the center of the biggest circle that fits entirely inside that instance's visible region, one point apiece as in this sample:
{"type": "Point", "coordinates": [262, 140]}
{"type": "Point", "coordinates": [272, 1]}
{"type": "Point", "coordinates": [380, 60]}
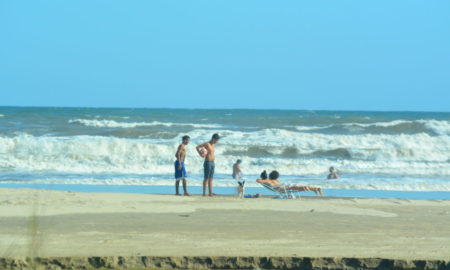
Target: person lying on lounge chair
{"type": "Point", "coordinates": [276, 184]}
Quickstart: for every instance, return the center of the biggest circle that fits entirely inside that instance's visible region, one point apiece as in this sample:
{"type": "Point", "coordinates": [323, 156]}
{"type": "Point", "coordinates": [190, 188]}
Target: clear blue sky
{"type": "Point", "coordinates": [344, 55]}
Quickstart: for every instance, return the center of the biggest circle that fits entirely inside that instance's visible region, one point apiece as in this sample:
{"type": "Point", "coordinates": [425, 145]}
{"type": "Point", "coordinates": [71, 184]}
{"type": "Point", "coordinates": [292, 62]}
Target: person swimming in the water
{"type": "Point", "coordinates": [276, 184]}
{"type": "Point", "coordinates": [333, 174]}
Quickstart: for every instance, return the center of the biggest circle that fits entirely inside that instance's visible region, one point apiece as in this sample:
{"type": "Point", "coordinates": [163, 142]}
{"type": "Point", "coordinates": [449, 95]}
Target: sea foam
{"type": "Point", "coordinates": [114, 124]}
{"type": "Point", "coordinates": [292, 153]}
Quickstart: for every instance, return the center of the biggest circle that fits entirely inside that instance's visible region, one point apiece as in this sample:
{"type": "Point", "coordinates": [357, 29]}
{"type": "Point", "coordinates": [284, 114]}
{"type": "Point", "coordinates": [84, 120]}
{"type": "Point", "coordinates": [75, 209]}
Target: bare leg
{"type": "Point", "coordinates": [186, 193]}
{"type": "Point", "coordinates": [177, 187]}
{"type": "Point", "coordinates": [210, 187]}
{"type": "Point", "coordinates": [205, 181]}
{"type": "Point", "coordinates": [316, 190]}
{"type": "Point", "coordinates": [298, 188]}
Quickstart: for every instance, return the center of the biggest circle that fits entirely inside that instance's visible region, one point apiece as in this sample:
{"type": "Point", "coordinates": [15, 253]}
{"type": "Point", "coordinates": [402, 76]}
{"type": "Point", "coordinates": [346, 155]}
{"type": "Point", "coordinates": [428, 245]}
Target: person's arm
{"type": "Point", "coordinates": [203, 145]}
{"type": "Point", "coordinates": [264, 181]}
{"type": "Point", "coordinates": [178, 156]}
{"type": "Point", "coordinates": [238, 167]}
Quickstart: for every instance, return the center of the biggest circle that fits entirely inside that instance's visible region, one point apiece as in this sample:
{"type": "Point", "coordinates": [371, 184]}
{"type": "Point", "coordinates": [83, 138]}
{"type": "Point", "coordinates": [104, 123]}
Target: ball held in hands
{"type": "Point", "coordinates": [203, 152]}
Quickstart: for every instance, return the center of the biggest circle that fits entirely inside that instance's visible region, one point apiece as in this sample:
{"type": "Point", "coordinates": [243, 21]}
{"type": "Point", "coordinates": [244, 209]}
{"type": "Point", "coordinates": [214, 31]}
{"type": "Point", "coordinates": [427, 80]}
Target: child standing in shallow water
{"type": "Point", "coordinates": [237, 170]}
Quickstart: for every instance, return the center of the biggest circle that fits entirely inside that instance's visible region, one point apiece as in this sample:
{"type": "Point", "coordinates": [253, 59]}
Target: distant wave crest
{"type": "Point", "coordinates": [114, 124]}
{"type": "Point", "coordinates": [434, 127]}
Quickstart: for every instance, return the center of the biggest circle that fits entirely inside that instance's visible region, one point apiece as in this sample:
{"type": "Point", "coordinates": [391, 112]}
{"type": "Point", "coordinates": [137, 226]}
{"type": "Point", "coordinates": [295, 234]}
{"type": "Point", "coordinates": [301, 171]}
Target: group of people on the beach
{"type": "Point", "coordinates": [207, 151]}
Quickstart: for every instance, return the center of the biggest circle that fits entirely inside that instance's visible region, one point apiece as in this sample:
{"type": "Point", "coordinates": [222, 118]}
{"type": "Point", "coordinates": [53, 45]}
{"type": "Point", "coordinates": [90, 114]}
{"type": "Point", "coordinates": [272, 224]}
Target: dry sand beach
{"type": "Point", "coordinates": [69, 224]}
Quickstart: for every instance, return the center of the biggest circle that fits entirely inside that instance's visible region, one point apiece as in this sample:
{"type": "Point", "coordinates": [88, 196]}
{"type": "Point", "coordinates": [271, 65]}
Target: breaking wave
{"type": "Point", "coordinates": [433, 127]}
{"type": "Point", "coordinates": [114, 124]}
{"type": "Point", "coordinates": [292, 153]}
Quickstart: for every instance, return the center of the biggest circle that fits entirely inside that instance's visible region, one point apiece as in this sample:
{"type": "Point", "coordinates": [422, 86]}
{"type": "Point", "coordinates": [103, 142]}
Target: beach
{"type": "Point", "coordinates": [225, 135]}
{"type": "Point", "coordinates": [44, 223]}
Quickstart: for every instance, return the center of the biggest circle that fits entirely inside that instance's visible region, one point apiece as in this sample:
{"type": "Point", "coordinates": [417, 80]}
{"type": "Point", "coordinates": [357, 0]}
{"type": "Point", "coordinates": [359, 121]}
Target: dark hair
{"type": "Point", "coordinates": [274, 175]}
{"type": "Point", "coordinates": [215, 136]}
{"type": "Point", "coordinates": [331, 169]}
{"type": "Point", "coordinates": [185, 137]}
{"type": "Point", "coordinates": [238, 161]}
{"type": "Point", "coordinates": [263, 175]}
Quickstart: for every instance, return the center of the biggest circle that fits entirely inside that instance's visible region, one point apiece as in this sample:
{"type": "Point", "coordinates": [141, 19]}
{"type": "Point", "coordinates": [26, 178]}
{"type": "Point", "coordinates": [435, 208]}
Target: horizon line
{"type": "Point", "coordinates": [217, 109]}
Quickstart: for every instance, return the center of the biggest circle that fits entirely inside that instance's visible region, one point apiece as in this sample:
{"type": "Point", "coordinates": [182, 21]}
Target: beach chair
{"type": "Point", "coordinates": [282, 192]}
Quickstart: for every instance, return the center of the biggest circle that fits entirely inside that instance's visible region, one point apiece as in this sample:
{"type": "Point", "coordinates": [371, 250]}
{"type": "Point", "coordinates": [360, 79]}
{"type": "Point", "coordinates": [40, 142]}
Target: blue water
{"type": "Point", "coordinates": [229, 191]}
{"type": "Point", "coordinates": [373, 152]}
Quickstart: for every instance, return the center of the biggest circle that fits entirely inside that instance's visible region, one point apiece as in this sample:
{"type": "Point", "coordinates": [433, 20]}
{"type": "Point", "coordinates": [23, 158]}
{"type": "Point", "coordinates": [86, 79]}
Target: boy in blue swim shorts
{"type": "Point", "coordinates": [180, 169]}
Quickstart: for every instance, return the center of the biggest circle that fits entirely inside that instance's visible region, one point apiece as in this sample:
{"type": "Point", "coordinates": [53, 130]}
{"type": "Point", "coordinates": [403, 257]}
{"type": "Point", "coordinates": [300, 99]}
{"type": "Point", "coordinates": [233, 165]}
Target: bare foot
{"type": "Point", "coordinates": [187, 194]}
{"type": "Point", "coordinates": [319, 190]}
{"type": "Point", "coordinates": [177, 194]}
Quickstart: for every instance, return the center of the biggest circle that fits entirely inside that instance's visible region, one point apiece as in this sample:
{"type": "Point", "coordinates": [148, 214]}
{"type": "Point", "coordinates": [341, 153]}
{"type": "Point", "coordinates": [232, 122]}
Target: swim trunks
{"type": "Point", "coordinates": [208, 167]}
{"type": "Point", "coordinates": [180, 173]}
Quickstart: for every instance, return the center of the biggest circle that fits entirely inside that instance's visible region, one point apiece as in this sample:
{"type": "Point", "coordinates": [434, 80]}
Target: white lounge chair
{"type": "Point", "coordinates": [282, 191]}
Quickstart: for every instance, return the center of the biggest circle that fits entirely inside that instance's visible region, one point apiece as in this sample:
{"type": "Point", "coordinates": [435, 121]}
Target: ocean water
{"type": "Point", "coordinates": [372, 151]}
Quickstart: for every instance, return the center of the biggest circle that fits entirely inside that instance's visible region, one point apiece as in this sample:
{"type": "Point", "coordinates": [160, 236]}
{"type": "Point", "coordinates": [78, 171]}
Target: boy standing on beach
{"type": "Point", "coordinates": [206, 150]}
{"type": "Point", "coordinates": [180, 169]}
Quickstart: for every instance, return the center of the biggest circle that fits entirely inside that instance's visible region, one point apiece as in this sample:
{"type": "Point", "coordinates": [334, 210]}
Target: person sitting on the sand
{"type": "Point", "coordinates": [333, 174]}
{"type": "Point", "coordinates": [276, 184]}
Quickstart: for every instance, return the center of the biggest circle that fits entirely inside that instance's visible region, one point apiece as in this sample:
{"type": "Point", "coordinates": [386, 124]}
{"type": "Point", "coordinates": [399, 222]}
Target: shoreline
{"type": "Point", "coordinates": [230, 191]}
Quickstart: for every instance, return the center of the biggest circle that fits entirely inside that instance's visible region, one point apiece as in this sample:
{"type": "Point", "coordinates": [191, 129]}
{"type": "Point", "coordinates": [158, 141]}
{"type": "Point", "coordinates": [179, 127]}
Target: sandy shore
{"type": "Point", "coordinates": [59, 223]}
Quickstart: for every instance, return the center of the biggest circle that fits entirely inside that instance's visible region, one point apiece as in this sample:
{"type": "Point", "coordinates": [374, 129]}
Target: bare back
{"type": "Point", "coordinates": [236, 169]}
{"type": "Point", "coordinates": [181, 152]}
{"type": "Point", "coordinates": [210, 155]}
